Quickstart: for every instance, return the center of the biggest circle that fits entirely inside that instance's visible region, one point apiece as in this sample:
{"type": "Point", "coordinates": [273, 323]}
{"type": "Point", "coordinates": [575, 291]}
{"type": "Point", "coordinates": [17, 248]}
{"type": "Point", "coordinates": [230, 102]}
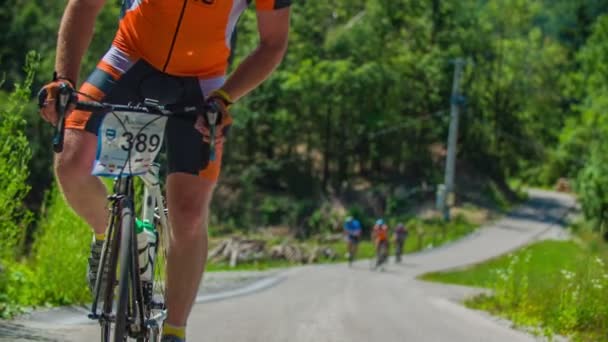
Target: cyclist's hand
{"type": "Point", "coordinates": [219, 105]}
{"type": "Point", "coordinates": [47, 100]}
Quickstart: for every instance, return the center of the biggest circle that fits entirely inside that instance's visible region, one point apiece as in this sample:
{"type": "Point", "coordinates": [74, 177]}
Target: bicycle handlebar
{"type": "Point", "coordinates": [177, 110]}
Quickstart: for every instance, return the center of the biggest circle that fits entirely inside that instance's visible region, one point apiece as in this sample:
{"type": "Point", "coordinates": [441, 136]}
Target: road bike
{"type": "Point", "coordinates": [130, 137]}
{"type": "Point", "coordinates": [352, 243]}
{"type": "Point", "coordinates": [399, 245]}
{"type": "Point", "coordinates": [381, 255]}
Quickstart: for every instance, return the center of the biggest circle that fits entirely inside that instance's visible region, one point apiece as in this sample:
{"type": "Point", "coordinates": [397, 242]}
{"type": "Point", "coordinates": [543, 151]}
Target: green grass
{"type": "Point", "coordinates": [55, 273]}
{"type": "Point", "coordinates": [551, 286]}
{"type": "Point", "coordinates": [548, 257]}
{"type": "Point", "coordinates": [60, 255]}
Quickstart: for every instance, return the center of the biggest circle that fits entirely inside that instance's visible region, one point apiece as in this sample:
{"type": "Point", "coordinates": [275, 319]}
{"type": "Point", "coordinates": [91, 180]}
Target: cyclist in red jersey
{"type": "Point", "coordinates": [171, 51]}
{"type": "Point", "coordinates": [380, 235]}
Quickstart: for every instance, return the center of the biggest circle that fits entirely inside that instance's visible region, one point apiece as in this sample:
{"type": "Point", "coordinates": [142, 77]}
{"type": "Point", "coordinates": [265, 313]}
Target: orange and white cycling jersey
{"type": "Point", "coordinates": [183, 42]}
{"type": "Point", "coordinates": [183, 37]}
{"type": "Point", "coordinates": [381, 232]}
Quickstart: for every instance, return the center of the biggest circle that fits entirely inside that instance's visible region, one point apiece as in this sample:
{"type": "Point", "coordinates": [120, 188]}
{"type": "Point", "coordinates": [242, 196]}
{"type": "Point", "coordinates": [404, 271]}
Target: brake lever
{"type": "Point", "coordinates": [63, 100]}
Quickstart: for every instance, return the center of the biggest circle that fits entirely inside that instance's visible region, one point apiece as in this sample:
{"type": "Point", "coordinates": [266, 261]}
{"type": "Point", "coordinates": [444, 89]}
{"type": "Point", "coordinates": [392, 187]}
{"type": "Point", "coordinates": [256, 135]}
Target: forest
{"type": "Point", "coordinates": [358, 109]}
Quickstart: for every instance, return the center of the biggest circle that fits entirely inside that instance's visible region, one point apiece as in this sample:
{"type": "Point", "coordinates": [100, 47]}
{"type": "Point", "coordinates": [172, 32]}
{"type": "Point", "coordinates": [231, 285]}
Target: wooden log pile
{"type": "Point", "coordinates": [290, 253]}
{"type": "Point", "coordinates": [236, 249]}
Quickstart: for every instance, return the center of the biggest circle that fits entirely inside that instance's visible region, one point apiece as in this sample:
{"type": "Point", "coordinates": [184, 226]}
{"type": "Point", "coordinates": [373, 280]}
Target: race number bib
{"type": "Point", "coordinates": [128, 143]}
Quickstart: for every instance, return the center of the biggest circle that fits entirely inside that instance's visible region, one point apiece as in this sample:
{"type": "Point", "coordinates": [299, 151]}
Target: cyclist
{"type": "Point", "coordinates": [172, 51]}
{"type": "Point", "coordinates": [380, 236]}
{"type": "Point", "coordinates": [352, 230]}
{"type": "Point", "coordinates": [401, 233]}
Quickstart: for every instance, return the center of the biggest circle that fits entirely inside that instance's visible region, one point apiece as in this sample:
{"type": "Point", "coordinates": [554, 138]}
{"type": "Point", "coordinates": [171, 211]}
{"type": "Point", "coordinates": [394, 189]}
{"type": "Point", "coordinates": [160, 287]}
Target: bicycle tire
{"type": "Point", "coordinates": [105, 332]}
{"type": "Point", "coordinates": [126, 244]}
{"type": "Point", "coordinates": [158, 283]}
{"type": "Point", "coordinates": [112, 259]}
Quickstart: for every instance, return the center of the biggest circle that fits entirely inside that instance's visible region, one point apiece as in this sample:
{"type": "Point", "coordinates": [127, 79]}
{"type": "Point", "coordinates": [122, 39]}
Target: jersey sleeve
{"type": "Point", "coordinates": [269, 5]}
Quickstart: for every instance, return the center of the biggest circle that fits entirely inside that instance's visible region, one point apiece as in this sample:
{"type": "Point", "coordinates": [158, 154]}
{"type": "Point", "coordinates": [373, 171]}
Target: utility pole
{"type": "Point", "coordinates": [450, 165]}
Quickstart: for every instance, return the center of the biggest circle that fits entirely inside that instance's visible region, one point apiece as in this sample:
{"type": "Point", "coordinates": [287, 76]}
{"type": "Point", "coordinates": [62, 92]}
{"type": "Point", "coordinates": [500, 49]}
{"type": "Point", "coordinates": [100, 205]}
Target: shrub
{"type": "Point", "coordinates": [15, 155]}
{"type": "Point", "coordinates": [60, 254]}
{"type": "Point", "coordinates": [592, 186]}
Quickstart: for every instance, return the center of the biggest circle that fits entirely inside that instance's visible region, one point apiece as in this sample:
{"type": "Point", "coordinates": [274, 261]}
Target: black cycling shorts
{"type": "Point", "coordinates": [186, 151]}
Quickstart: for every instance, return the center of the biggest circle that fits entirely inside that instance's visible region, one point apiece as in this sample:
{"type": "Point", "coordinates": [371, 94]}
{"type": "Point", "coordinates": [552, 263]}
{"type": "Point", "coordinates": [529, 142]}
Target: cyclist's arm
{"type": "Point", "coordinates": [75, 35]}
{"type": "Point", "coordinates": [273, 27]}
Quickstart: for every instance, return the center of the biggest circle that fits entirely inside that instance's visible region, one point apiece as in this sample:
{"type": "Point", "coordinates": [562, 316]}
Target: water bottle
{"type": "Point", "coordinates": [146, 248]}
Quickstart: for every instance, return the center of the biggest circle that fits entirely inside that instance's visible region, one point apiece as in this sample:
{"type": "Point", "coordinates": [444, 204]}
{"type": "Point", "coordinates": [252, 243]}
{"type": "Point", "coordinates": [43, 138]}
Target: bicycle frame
{"type": "Point", "coordinates": [136, 314]}
{"type": "Point", "coordinates": [153, 210]}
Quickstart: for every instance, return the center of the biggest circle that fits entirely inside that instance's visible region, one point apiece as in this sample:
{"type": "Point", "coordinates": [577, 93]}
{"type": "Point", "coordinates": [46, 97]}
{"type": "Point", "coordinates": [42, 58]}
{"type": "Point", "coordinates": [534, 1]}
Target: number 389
{"type": "Point", "coordinates": [141, 142]}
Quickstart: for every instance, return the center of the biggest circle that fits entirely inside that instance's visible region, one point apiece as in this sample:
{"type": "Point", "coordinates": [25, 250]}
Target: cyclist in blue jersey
{"type": "Point", "coordinates": [352, 231]}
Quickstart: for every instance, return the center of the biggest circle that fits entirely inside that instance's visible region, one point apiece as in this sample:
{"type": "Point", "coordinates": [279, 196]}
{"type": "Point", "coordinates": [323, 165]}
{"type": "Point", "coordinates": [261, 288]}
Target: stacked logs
{"type": "Point", "coordinates": [236, 249]}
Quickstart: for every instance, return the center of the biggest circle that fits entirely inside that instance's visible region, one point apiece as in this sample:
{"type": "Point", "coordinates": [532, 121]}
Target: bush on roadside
{"type": "Point", "coordinates": [592, 186]}
{"type": "Point", "coordinates": [60, 254]}
{"type": "Point", "coordinates": [55, 272]}
{"type": "Point", "coordinates": [15, 154]}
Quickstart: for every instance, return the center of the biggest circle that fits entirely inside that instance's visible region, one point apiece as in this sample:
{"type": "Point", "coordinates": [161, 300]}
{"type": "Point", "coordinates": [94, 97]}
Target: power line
{"type": "Point", "coordinates": [406, 124]}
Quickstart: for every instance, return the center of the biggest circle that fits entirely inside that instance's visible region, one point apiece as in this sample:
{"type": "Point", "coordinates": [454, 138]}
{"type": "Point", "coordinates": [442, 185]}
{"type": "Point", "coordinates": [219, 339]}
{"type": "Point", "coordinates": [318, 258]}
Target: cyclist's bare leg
{"type": "Point", "coordinates": [188, 198]}
{"type": "Point", "coordinates": [85, 193]}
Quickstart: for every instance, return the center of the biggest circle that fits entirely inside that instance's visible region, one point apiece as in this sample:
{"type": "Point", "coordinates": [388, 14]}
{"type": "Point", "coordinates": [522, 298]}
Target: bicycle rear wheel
{"type": "Point", "coordinates": [155, 309]}
{"type": "Point", "coordinates": [124, 281]}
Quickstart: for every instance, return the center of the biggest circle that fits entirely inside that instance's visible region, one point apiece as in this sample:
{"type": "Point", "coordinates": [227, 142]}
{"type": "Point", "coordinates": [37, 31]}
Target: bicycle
{"type": "Point", "coordinates": [398, 250]}
{"type": "Point", "coordinates": [140, 305]}
{"type": "Point", "coordinates": [352, 244]}
{"type": "Point", "coordinates": [381, 255]}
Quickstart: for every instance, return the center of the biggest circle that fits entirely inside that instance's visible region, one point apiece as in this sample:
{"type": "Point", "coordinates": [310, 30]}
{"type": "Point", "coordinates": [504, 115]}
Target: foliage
{"type": "Point", "coordinates": [15, 154]}
{"type": "Point", "coordinates": [553, 286]}
{"type": "Point", "coordinates": [17, 289]}
{"type": "Point", "coordinates": [61, 271]}
{"type": "Point", "coordinates": [582, 151]}
{"type": "Point", "coordinates": [325, 220]}
{"type": "Point", "coordinates": [52, 276]}
{"type": "Point", "coordinates": [593, 188]}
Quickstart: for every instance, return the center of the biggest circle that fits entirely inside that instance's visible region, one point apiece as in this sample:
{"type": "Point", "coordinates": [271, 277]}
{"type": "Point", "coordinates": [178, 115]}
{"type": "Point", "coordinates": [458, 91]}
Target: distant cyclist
{"type": "Point", "coordinates": [401, 233]}
{"type": "Point", "coordinates": [352, 231]}
{"type": "Point", "coordinates": [380, 236]}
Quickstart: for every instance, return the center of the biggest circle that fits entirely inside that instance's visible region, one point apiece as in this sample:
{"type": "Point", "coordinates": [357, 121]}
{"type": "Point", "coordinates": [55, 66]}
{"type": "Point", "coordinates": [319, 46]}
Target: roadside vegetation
{"type": "Point", "coordinates": [550, 287]}
{"type": "Point", "coordinates": [424, 234]}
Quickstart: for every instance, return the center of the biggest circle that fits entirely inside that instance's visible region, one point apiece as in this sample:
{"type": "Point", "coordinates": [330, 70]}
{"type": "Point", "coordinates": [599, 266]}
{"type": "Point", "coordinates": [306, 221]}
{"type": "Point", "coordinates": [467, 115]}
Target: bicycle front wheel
{"type": "Point", "coordinates": [124, 280]}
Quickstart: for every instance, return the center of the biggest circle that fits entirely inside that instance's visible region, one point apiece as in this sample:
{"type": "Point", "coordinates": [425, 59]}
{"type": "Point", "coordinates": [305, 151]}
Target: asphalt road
{"type": "Point", "coordinates": [335, 303]}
